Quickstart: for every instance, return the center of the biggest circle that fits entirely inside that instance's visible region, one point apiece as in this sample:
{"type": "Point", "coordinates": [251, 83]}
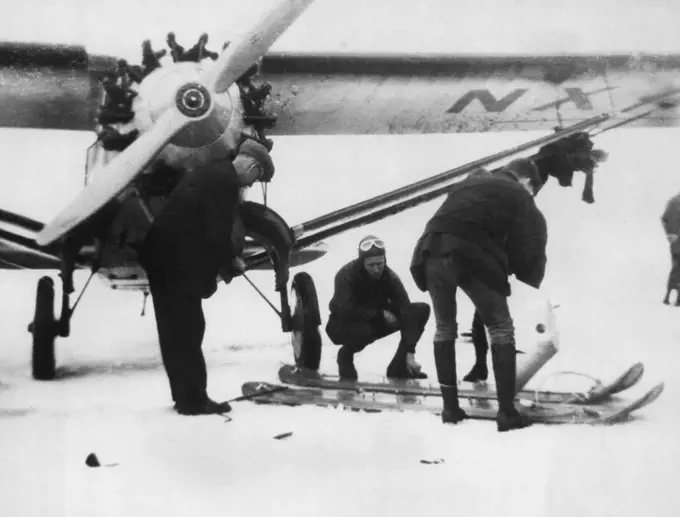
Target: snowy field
{"type": "Point", "coordinates": [607, 269]}
{"type": "Point", "coordinates": [608, 264]}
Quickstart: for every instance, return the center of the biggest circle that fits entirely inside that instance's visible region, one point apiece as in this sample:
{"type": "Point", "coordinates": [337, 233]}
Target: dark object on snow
{"type": "Point", "coordinates": [92, 460]}
{"type": "Point", "coordinates": [432, 462]}
{"type": "Point", "coordinates": [283, 435]}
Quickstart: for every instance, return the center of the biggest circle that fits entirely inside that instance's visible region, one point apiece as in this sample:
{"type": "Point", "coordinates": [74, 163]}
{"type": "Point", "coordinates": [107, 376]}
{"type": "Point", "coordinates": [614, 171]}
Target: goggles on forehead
{"type": "Point", "coordinates": [369, 243]}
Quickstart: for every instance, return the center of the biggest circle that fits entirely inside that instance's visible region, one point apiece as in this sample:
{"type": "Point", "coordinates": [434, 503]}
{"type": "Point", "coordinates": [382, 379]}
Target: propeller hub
{"type": "Point", "coordinates": [193, 100]}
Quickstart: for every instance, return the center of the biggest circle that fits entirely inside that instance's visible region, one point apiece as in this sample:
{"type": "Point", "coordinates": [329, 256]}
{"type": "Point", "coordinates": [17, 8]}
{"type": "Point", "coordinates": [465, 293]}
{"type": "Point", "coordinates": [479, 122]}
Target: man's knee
{"type": "Point", "coordinates": [446, 333]}
{"type": "Point", "coordinates": [355, 336]}
{"type": "Point", "coordinates": [446, 329]}
{"type": "Point", "coordinates": [418, 312]}
{"type": "Point", "coordinates": [423, 311]}
{"type": "Point", "coordinates": [502, 332]}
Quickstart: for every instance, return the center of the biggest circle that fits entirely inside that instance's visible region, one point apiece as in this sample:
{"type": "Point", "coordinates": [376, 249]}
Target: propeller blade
{"type": "Point", "coordinates": [113, 178]}
{"type": "Point", "coordinates": [240, 55]}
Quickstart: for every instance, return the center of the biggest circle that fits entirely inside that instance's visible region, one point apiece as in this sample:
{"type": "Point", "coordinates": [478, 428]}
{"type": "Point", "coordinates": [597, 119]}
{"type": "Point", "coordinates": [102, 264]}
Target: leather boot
{"type": "Point", "coordinates": [505, 370]}
{"type": "Point", "coordinates": [207, 407]}
{"type": "Point", "coordinates": [479, 371]}
{"type": "Point", "coordinates": [445, 362]}
{"type": "Point", "coordinates": [346, 369]}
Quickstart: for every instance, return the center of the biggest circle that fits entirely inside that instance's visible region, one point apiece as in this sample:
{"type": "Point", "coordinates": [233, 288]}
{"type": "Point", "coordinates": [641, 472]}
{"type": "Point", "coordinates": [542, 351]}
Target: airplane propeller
{"type": "Point", "coordinates": [194, 101]}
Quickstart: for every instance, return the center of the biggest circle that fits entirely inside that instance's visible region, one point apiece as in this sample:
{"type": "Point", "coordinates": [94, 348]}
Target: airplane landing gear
{"type": "Point", "coordinates": [45, 327]}
{"type": "Point", "coordinates": [44, 330]}
{"type": "Point", "coordinates": [305, 323]}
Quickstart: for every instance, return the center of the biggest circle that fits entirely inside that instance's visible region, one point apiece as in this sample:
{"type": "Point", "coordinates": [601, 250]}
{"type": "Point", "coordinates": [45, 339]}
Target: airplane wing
{"type": "Point", "coordinates": [17, 248]}
{"type": "Point", "coordinates": [405, 94]}
{"type": "Point", "coordinates": [298, 257]}
{"type": "Point", "coordinates": [57, 87]}
{"type": "Point", "coordinates": [50, 86]}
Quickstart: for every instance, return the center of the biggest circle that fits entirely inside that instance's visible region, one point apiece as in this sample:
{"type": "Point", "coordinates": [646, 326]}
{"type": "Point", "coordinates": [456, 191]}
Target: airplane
{"type": "Point", "coordinates": [185, 109]}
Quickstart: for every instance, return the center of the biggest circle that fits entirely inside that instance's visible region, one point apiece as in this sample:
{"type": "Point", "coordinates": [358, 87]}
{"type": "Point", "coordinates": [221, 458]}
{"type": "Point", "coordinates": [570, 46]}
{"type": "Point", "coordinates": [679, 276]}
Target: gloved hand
{"type": "Point", "coordinates": [238, 267]}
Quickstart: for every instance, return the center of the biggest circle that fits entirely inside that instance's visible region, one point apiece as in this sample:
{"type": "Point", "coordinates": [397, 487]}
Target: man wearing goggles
{"type": "Point", "coordinates": [369, 303]}
{"type": "Point", "coordinates": [487, 229]}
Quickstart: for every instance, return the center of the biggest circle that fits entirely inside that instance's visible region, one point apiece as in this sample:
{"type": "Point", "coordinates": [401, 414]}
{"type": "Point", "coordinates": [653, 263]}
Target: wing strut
{"type": "Point", "coordinates": [409, 196]}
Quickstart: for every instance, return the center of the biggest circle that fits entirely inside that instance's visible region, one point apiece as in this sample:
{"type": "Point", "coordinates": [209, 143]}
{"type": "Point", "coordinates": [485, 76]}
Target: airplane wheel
{"type": "Point", "coordinates": [44, 332]}
{"type": "Point", "coordinates": [306, 320]}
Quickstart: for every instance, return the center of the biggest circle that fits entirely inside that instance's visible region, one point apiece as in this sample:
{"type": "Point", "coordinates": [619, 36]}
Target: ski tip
{"type": "Point", "coordinates": [638, 367]}
{"type": "Point", "coordinates": [629, 379]}
{"type": "Point", "coordinates": [635, 373]}
{"type": "Point", "coordinates": [642, 402]}
{"type": "Point", "coordinates": [656, 391]}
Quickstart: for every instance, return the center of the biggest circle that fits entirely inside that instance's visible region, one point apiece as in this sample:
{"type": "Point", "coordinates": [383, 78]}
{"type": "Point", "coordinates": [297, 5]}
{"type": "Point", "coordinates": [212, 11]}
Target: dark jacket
{"type": "Point", "coordinates": [190, 241]}
{"type": "Point", "coordinates": [671, 223]}
{"type": "Point", "coordinates": [493, 227]}
{"type": "Point", "coordinates": [358, 297]}
{"type": "Point", "coordinates": [671, 216]}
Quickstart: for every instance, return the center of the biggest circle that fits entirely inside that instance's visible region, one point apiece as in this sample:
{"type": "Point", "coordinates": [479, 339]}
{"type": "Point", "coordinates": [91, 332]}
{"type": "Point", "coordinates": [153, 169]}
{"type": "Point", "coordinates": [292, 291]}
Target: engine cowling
{"type": "Point", "coordinates": [219, 120]}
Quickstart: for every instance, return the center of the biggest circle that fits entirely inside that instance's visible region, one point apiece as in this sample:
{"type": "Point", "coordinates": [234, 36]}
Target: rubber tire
{"type": "Point", "coordinates": [44, 332]}
{"type": "Point", "coordinates": [305, 335]}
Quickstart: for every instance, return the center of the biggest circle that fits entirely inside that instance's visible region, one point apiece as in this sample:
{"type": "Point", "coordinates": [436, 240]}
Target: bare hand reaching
{"type": "Point", "coordinates": [390, 318]}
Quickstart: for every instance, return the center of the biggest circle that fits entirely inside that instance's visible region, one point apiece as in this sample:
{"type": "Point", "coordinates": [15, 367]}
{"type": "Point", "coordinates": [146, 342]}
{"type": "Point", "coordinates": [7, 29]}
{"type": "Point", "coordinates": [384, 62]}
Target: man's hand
{"type": "Point", "coordinates": [671, 238]}
{"type": "Point", "coordinates": [237, 269]}
{"type": "Point", "coordinates": [390, 318]}
{"type": "Point", "coordinates": [239, 265]}
{"type": "Point", "coordinates": [412, 365]}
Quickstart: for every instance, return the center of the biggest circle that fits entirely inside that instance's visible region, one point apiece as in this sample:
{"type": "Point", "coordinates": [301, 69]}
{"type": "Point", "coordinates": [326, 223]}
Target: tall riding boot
{"type": "Point", "coordinates": [413, 318]}
{"type": "Point", "coordinates": [445, 362]}
{"type": "Point", "coordinates": [505, 370]}
{"type": "Point", "coordinates": [479, 371]}
{"type": "Point", "coordinates": [346, 369]}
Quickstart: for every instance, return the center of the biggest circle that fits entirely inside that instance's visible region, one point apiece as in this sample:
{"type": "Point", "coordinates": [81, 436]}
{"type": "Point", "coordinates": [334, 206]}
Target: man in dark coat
{"type": "Point", "coordinates": [191, 243]}
{"type": "Point", "coordinates": [671, 226]}
{"type": "Point", "coordinates": [487, 229]}
{"type": "Point", "coordinates": [369, 303]}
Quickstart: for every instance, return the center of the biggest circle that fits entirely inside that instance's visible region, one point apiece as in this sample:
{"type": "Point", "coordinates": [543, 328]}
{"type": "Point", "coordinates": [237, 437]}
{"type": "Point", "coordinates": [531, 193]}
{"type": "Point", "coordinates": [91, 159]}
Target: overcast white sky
{"type": "Point", "coordinates": [493, 26]}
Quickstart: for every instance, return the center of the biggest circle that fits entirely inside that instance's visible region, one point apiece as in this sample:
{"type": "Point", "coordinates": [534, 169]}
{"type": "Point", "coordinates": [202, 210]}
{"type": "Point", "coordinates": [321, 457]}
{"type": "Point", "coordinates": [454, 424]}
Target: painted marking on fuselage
{"type": "Point", "coordinates": [491, 104]}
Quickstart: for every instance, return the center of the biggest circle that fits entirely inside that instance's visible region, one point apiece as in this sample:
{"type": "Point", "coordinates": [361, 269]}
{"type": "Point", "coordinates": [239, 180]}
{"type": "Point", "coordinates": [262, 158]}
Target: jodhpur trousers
{"type": "Point", "coordinates": [444, 276]}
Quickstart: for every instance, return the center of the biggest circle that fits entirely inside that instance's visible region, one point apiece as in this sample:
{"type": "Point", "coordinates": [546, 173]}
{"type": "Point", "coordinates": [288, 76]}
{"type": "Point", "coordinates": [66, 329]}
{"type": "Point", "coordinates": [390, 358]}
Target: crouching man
{"type": "Point", "coordinates": [369, 303]}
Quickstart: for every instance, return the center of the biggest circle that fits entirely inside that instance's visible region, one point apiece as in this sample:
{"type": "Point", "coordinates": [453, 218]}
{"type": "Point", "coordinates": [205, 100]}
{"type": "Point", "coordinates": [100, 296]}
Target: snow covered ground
{"type": "Point", "coordinates": [607, 269]}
